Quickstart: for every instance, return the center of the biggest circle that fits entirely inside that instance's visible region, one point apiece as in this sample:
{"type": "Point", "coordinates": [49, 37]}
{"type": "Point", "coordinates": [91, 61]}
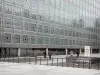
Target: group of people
{"type": "Point", "coordinates": [77, 53]}
{"type": "Point", "coordinates": [71, 53]}
{"type": "Point", "coordinates": [49, 54]}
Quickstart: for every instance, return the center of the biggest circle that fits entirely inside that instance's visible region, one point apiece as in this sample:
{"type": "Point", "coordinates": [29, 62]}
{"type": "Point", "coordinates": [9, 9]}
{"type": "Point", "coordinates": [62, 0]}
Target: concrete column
{"type": "Point", "coordinates": [66, 51]}
{"type": "Point", "coordinates": [47, 51]}
{"type": "Point", "coordinates": [90, 51]}
{"type": "Point", "coordinates": [80, 51]}
{"type": "Point", "coordinates": [19, 52]}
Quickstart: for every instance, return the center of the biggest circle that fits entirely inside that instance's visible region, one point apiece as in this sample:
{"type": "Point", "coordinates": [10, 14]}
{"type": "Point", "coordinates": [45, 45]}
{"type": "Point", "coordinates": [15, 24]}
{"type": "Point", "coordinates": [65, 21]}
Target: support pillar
{"type": "Point", "coordinates": [47, 51]}
{"type": "Point", "coordinates": [80, 51]}
{"type": "Point", "coordinates": [66, 51]}
{"type": "Point", "coordinates": [90, 51]}
{"type": "Point", "coordinates": [18, 52]}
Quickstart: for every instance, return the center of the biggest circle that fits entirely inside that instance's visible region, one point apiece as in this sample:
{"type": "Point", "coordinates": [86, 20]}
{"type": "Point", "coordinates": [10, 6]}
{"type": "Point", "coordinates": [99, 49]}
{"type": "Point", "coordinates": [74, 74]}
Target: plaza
{"type": "Point", "coordinates": [31, 30]}
{"type": "Point", "coordinates": [30, 69]}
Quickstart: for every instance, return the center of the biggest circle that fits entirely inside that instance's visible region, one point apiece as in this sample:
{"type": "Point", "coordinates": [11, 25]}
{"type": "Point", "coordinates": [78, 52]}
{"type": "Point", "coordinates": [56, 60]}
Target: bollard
{"type": "Point", "coordinates": [13, 59]}
{"type": "Point", "coordinates": [0, 58]}
{"type": "Point", "coordinates": [35, 59]}
{"type": "Point", "coordinates": [25, 58]}
{"type": "Point", "coordinates": [47, 61]}
{"type": "Point", "coordinates": [57, 61]}
{"type": "Point", "coordinates": [62, 61]}
{"type": "Point", "coordinates": [98, 63]}
{"type": "Point", "coordinates": [40, 60]}
{"type": "Point", "coordinates": [18, 59]}
{"type": "Point", "coordinates": [83, 63]}
{"type": "Point", "coordinates": [52, 61]}
{"type": "Point", "coordinates": [73, 62]}
{"type": "Point", "coordinates": [89, 64]}
{"type": "Point", "coordinates": [78, 63]}
{"type": "Point", "coordinates": [7, 59]}
{"type": "Point", "coordinates": [67, 62]}
{"type": "Point", "coordinates": [4, 59]}
{"type": "Point", "coordinates": [29, 60]}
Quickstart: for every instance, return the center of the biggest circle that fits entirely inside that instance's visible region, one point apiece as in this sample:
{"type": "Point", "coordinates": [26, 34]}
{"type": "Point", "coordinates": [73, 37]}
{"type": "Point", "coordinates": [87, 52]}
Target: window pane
{"type": "Point", "coordinates": [9, 0]}
{"type": "Point", "coordinates": [57, 31]}
{"type": "Point", "coordinates": [39, 40]}
{"type": "Point", "coordinates": [39, 28]}
{"type": "Point", "coordinates": [52, 41]}
{"type": "Point", "coordinates": [45, 29]}
{"type": "Point", "coordinates": [66, 33]}
{"type": "Point", "coordinates": [62, 41]}
{"type": "Point", "coordinates": [45, 6]}
{"type": "Point", "coordinates": [0, 7]}
{"type": "Point", "coordinates": [46, 1]}
{"type": "Point", "coordinates": [34, 6]}
{"type": "Point", "coordinates": [40, 7]}
{"type": "Point", "coordinates": [17, 24]}
{"type": "Point", "coordinates": [61, 32]}
{"type": "Point", "coordinates": [0, 21]}
{"type": "Point", "coordinates": [7, 22]}
{"type": "Point", "coordinates": [17, 11]}
{"type": "Point", "coordinates": [7, 38]}
{"type": "Point", "coordinates": [39, 17]}
{"type": "Point", "coordinates": [57, 3]}
{"type": "Point", "coordinates": [19, 2]}
{"type": "Point", "coordinates": [33, 27]}
{"type": "Point", "coordinates": [66, 42]}
{"type": "Point", "coordinates": [26, 26]}
{"type": "Point", "coordinates": [24, 39]}
{"type": "Point", "coordinates": [51, 30]}
{"type": "Point", "coordinates": [26, 3]}
{"type": "Point", "coordinates": [33, 15]}
{"type": "Point", "coordinates": [52, 2]}
{"type": "Point", "coordinates": [16, 38]}
{"type": "Point", "coordinates": [26, 13]}
{"type": "Point", "coordinates": [8, 9]}
{"type": "Point", "coordinates": [57, 42]}
{"type": "Point", "coordinates": [32, 40]}
{"type": "Point", "coordinates": [46, 40]}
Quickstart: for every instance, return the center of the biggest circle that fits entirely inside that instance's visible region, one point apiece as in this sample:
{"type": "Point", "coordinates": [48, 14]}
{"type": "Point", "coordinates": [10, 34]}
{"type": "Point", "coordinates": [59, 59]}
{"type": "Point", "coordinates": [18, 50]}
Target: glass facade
{"type": "Point", "coordinates": [54, 23]}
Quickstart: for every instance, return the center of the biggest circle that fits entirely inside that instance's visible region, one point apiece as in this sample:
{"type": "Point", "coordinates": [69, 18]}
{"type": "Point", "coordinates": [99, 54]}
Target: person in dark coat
{"type": "Point", "coordinates": [44, 54]}
{"type": "Point", "coordinates": [77, 54]}
{"type": "Point", "coordinates": [50, 55]}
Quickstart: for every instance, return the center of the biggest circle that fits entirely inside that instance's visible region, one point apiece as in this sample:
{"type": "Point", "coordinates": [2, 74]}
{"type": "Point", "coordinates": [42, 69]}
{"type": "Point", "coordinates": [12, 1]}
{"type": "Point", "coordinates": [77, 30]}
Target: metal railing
{"type": "Point", "coordinates": [81, 62]}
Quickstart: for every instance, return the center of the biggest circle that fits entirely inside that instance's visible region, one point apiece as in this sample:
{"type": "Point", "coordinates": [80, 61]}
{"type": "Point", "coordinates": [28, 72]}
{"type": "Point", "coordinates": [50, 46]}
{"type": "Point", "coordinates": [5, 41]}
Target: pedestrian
{"type": "Point", "coordinates": [5, 52]}
{"type": "Point", "coordinates": [77, 54]}
{"type": "Point", "coordinates": [50, 55]}
{"type": "Point", "coordinates": [44, 54]}
{"type": "Point", "coordinates": [71, 53]}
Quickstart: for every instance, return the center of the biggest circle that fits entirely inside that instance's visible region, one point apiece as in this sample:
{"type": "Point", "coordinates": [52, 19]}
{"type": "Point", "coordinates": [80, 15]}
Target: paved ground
{"type": "Point", "coordinates": [30, 69]}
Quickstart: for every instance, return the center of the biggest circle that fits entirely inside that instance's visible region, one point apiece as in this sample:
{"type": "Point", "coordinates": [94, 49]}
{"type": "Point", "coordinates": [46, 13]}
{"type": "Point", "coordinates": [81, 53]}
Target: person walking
{"type": "Point", "coordinates": [44, 54]}
{"type": "Point", "coordinates": [77, 54]}
{"type": "Point", "coordinates": [5, 52]}
{"type": "Point", "coordinates": [50, 55]}
{"type": "Point", "coordinates": [71, 54]}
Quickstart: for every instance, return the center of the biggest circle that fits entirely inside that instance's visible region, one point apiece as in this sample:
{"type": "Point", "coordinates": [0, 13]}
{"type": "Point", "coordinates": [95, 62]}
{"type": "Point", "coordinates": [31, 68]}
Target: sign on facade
{"type": "Point", "coordinates": [87, 51]}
